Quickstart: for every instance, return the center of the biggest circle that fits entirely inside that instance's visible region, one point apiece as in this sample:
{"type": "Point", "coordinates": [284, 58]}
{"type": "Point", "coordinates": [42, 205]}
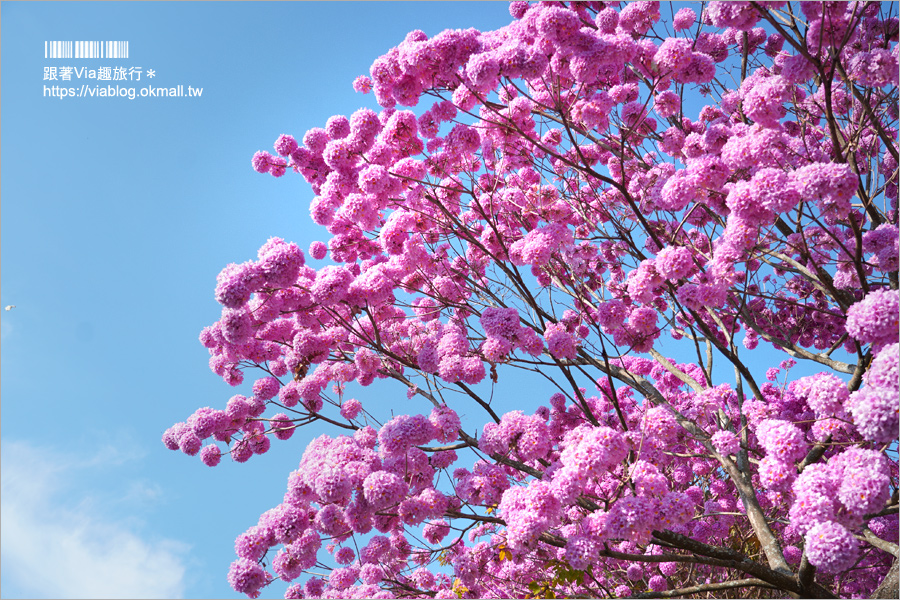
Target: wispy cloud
{"type": "Point", "coordinates": [57, 542]}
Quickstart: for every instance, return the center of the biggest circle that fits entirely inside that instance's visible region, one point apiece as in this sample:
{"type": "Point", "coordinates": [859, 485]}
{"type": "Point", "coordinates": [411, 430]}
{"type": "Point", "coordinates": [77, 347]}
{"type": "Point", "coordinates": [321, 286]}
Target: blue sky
{"type": "Point", "coordinates": [117, 215]}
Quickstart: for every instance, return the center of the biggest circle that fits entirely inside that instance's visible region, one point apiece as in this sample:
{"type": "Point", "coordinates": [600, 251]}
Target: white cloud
{"type": "Point", "coordinates": [57, 545]}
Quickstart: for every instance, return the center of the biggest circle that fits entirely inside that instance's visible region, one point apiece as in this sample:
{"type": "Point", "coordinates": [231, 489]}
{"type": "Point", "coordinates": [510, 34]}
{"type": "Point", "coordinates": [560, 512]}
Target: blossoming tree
{"type": "Point", "coordinates": [639, 211]}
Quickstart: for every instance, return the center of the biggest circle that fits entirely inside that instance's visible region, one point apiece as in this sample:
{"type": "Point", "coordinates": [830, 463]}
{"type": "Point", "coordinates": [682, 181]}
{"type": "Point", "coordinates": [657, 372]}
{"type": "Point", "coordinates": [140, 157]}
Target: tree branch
{"type": "Point", "coordinates": [778, 579]}
{"type": "Point", "coordinates": [708, 587]}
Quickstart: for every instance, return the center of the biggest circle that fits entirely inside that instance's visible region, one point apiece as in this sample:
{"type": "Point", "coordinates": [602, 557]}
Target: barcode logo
{"type": "Point", "coordinates": [85, 49]}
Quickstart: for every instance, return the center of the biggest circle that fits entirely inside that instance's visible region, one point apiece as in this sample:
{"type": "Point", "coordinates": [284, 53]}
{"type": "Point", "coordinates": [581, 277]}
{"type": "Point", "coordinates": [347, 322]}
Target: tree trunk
{"type": "Point", "coordinates": [889, 588]}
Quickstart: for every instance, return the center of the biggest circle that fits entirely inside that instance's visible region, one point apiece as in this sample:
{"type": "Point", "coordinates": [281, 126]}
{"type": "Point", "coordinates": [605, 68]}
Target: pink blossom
{"type": "Point", "coordinates": [674, 263]}
{"type": "Point", "coordinates": [362, 84]}
{"type": "Point", "coordinates": [827, 394]}
{"type": "Point", "coordinates": [550, 231]}
{"type": "Point", "coordinates": [831, 547]}
{"type": "Point", "coordinates": [674, 54]}
{"type": "Point", "coordinates": [830, 186]}
{"type": "Point", "coordinates": [331, 285]}
{"type": "Point", "coordinates": [684, 19]}
{"type": "Point", "coordinates": [350, 409]}
{"type": "Point", "coordinates": [875, 319]}
{"type": "Point", "coordinates": [781, 439]}
{"type": "Point", "coordinates": [247, 577]}
{"type": "Point", "coordinates": [560, 342]}
{"type": "Point", "coordinates": [726, 442]}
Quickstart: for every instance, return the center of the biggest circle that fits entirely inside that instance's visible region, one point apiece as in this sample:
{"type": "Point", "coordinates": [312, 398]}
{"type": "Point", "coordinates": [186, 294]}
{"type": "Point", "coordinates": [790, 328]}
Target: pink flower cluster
{"type": "Point", "coordinates": [831, 501]}
{"type": "Point", "coordinates": [531, 212]}
{"type": "Point", "coordinates": [875, 319]}
{"type": "Point", "coordinates": [525, 436]}
{"type": "Point", "coordinates": [876, 407]}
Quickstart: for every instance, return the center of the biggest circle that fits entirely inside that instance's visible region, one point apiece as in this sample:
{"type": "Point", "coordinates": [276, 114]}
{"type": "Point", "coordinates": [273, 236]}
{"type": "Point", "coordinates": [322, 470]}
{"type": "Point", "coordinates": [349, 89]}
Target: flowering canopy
{"type": "Point", "coordinates": [570, 197]}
